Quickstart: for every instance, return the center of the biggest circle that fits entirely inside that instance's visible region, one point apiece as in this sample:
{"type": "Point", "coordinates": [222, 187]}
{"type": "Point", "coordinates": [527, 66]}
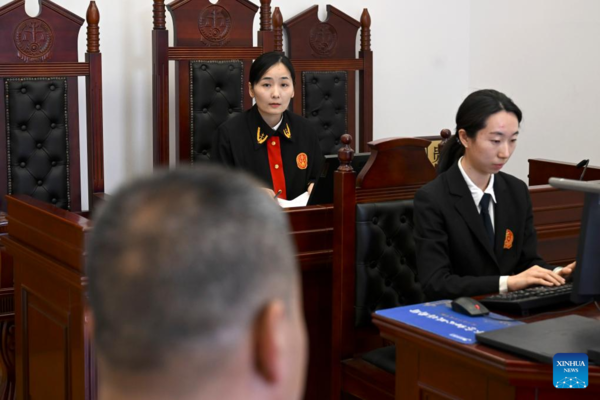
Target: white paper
{"type": "Point", "coordinates": [299, 201]}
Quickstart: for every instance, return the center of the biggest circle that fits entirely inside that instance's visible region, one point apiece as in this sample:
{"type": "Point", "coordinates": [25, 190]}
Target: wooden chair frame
{"type": "Point", "coordinates": [64, 63]}
{"type": "Point", "coordinates": [337, 57]}
{"type": "Point", "coordinates": [396, 169]}
{"type": "Point", "coordinates": [187, 47]}
{"type": "Point", "coordinates": [91, 68]}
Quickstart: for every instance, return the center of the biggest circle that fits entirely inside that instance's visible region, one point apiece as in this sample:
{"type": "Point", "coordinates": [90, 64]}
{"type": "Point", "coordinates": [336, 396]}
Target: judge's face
{"type": "Point", "coordinates": [493, 145]}
{"type": "Point", "coordinates": [273, 93]}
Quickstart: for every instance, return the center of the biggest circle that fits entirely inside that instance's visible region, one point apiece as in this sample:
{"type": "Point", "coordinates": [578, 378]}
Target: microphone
{"type": "Point", "coordinates": [584, 164]}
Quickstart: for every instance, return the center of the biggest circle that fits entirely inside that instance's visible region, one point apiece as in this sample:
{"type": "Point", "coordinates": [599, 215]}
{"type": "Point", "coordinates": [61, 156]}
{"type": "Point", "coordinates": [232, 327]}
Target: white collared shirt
{"type": "Point", "coordinates": [279, 123]}
{"type": "Point", "coordinates": [477, 194]}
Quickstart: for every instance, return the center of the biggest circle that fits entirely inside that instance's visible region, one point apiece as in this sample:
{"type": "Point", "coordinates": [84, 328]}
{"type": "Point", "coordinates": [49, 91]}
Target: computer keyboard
{"type": "Point", "coordinates": [525, 300]}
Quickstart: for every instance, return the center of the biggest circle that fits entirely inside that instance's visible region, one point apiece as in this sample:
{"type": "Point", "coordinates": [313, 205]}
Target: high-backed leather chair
{"type": "Point", "coordinates": [39, 133]}
{"type": "Point", "coordinates": [39, 122]}
{"type": "Point", "coordinates": [374, 259]}
{"type": "Point", "coordinates": [324, 56]}
{"type": "Point", "coordinates": [213, 50]}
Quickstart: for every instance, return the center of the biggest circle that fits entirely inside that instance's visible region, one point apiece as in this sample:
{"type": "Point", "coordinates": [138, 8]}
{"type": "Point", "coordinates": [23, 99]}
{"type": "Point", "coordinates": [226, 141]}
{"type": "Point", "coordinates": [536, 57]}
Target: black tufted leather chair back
{"type": "Point", "coordinates": [325, 104]}
{"type": "Point", "coordinates": [216, 95]}
{"type": "Point", "coordinates": [386, 274]}
{"type": "Point", "coordinates": [37, 139]}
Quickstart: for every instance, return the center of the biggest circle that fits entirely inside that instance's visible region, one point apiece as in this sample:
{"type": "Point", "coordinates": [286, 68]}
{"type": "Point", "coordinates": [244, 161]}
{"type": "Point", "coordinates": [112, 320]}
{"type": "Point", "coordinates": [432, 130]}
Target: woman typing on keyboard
{"type": "Point", "coordinates": [474, 228]}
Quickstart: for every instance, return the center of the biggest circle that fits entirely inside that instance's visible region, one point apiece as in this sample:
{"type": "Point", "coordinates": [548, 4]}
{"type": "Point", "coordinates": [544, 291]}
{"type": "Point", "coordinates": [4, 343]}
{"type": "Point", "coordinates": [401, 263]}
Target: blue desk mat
{"type": "Point", "coordinates": [438, 318]}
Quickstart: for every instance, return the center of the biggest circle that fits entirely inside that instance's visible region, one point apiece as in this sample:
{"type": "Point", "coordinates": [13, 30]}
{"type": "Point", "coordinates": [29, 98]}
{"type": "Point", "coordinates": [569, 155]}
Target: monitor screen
{"type": "Point", "coordinates": [322, 192]}
{"type": "Point", "coordinates": [586, 278]}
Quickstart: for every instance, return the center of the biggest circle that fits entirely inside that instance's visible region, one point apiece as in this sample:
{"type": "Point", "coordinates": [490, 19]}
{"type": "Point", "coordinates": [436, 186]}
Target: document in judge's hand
{"type": "Point", "coordinates": [299, 201]}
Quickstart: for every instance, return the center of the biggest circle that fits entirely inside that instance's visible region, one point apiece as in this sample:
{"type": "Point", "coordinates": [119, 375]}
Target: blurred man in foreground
{"type": "Point", "coordinates": [195, 291]}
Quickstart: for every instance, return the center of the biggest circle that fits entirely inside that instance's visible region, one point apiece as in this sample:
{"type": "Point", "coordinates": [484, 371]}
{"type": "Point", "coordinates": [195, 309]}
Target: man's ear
{"type": "Point", "coordinates": [269, 339]}
{"type": "Point", "coordinates": [251, 89]}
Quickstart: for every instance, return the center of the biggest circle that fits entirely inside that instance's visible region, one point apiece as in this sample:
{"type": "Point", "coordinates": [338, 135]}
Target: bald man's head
{"type": "Point", "coordinates": [182, 265]}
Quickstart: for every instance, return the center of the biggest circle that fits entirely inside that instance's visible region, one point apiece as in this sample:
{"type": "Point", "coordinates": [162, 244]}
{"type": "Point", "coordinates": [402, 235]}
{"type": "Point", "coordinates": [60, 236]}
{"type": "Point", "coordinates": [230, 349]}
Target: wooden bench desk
{"type": "Point", "coordinates": [431, 367]}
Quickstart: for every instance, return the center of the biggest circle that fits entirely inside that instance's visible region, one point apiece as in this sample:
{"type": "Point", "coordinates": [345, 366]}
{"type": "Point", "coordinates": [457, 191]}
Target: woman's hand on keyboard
{"type": "Point", "coordinates": [568, 270]}
{"type": "Point", "coordinates": [535, 275]}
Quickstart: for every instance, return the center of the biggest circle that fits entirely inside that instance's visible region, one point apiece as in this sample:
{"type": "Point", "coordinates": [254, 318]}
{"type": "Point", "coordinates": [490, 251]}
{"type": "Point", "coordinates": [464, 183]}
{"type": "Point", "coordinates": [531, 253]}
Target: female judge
{"type": "Point", "coordinates": [474, 228]}
{"type": "Point", "coordinates": [278, 147]}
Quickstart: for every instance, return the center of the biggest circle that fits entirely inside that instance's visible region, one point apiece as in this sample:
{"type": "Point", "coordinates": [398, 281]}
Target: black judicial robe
{"type": "Point", "coordinates": [454, 256]}
{"type": "Point", "coordinates": [242, 143]}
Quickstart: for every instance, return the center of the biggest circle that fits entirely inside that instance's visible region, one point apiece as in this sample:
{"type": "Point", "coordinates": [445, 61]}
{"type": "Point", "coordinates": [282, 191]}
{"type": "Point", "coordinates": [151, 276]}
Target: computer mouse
{"type": "Point", "coordinates": [469, 306]}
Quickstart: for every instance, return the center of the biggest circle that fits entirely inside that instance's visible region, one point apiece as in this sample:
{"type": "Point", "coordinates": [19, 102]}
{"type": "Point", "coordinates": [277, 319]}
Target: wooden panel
{"type": "Point", "coordinates": [554, 206]}
{"type": "Point", "coordinates": [94, 125]}
{"type": "Point", "coordinates": [433, 373]}
{"type": "Point", "coordinates": [541, 170]}
{"type": "Point", "coordinates": [312, 231]}
{"type": "Point", "coordinates": [378, 381]}
{"type": "Point", "coordinates": [316, 291]}
{"type": "Point", "coordinates": [58, 233]}
{"type": "Point", "coordinates": [557, 219]}
{"type": "Point", "coordinates": [6, 272]}
{"type": "Point", "coordinates": [3, 154]}
{"type": "Point", "coordinates": [182, 107]}
{"type": "Point", "coordinates": [313, 241]}
{"type": "Point", "coordinates": [365, 87]}
{"type": "Point", "coordinates": [561, 250]}
{"type": "Point", "coordinates": [311, 217]}
{"type": "Point", "coordinates": [210, 53]}
{"type": "Point", "coordinates": [201, 23]}
{"type": "Point", "coordinates": [47, 354]}
{"type": "Point", "coordinates": [53, 357]}
{"type": "Point", "coordinates": [396, 163]}
{"type": "Point", "coordinates": [309, 38]}
{"type": "Point", "coordinates": [160, 96]}
{"type": "Point", "coordinates": [60, 25]}
{"type": "Point", "coordinates": [328, 65]}
{"type": "Point", "coordinates": [44, 70]}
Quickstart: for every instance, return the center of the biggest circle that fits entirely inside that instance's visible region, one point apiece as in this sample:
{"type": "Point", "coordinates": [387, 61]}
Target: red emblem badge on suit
{"type": "Point", "coordinates": [508, 239]}
{"type": "Point", "coordinates": [302, 160]}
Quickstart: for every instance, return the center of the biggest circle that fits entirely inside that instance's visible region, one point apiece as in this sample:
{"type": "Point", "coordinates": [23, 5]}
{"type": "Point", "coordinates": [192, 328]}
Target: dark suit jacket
{"type": "Point", "coordinates": [454, 257]}
{"type": "Point", "coordinates": [236, 145]}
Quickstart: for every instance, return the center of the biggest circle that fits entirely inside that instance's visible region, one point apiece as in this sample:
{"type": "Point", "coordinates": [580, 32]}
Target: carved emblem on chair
{"type": "Point", "coordinates": [323, 39]}
{"type": "Point", "coordinates": [34, 40]}
{"type": "Point", "coordinates": [215, 25]}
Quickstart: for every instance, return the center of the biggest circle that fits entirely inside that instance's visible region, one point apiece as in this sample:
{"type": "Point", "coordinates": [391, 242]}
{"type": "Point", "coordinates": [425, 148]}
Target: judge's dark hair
{"type": "Point", "coordinates": [261, 65]}
{"type": "Point", "coordinates": [181, 264]}
{"type": "Point", "coordinates": [472, 116]}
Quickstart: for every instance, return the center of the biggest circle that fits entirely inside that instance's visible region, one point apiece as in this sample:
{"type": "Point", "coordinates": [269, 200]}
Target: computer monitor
{"type": "Point", "coordinates": [322, 192]}
{"type": "Point", "coordinates": [586, 278]}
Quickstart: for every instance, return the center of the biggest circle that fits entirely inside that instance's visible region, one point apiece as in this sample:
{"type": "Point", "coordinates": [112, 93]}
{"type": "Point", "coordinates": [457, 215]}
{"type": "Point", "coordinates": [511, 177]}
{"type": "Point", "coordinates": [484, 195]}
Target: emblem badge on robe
{"type": "Point", "coordinates": [508, 239]}
{"type": "Point", "coordinates": [302, 160]}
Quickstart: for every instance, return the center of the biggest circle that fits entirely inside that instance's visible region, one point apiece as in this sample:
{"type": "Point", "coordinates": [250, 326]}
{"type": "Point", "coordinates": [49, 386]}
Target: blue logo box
{"type": "Point", "coordinates": [570, 370]}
